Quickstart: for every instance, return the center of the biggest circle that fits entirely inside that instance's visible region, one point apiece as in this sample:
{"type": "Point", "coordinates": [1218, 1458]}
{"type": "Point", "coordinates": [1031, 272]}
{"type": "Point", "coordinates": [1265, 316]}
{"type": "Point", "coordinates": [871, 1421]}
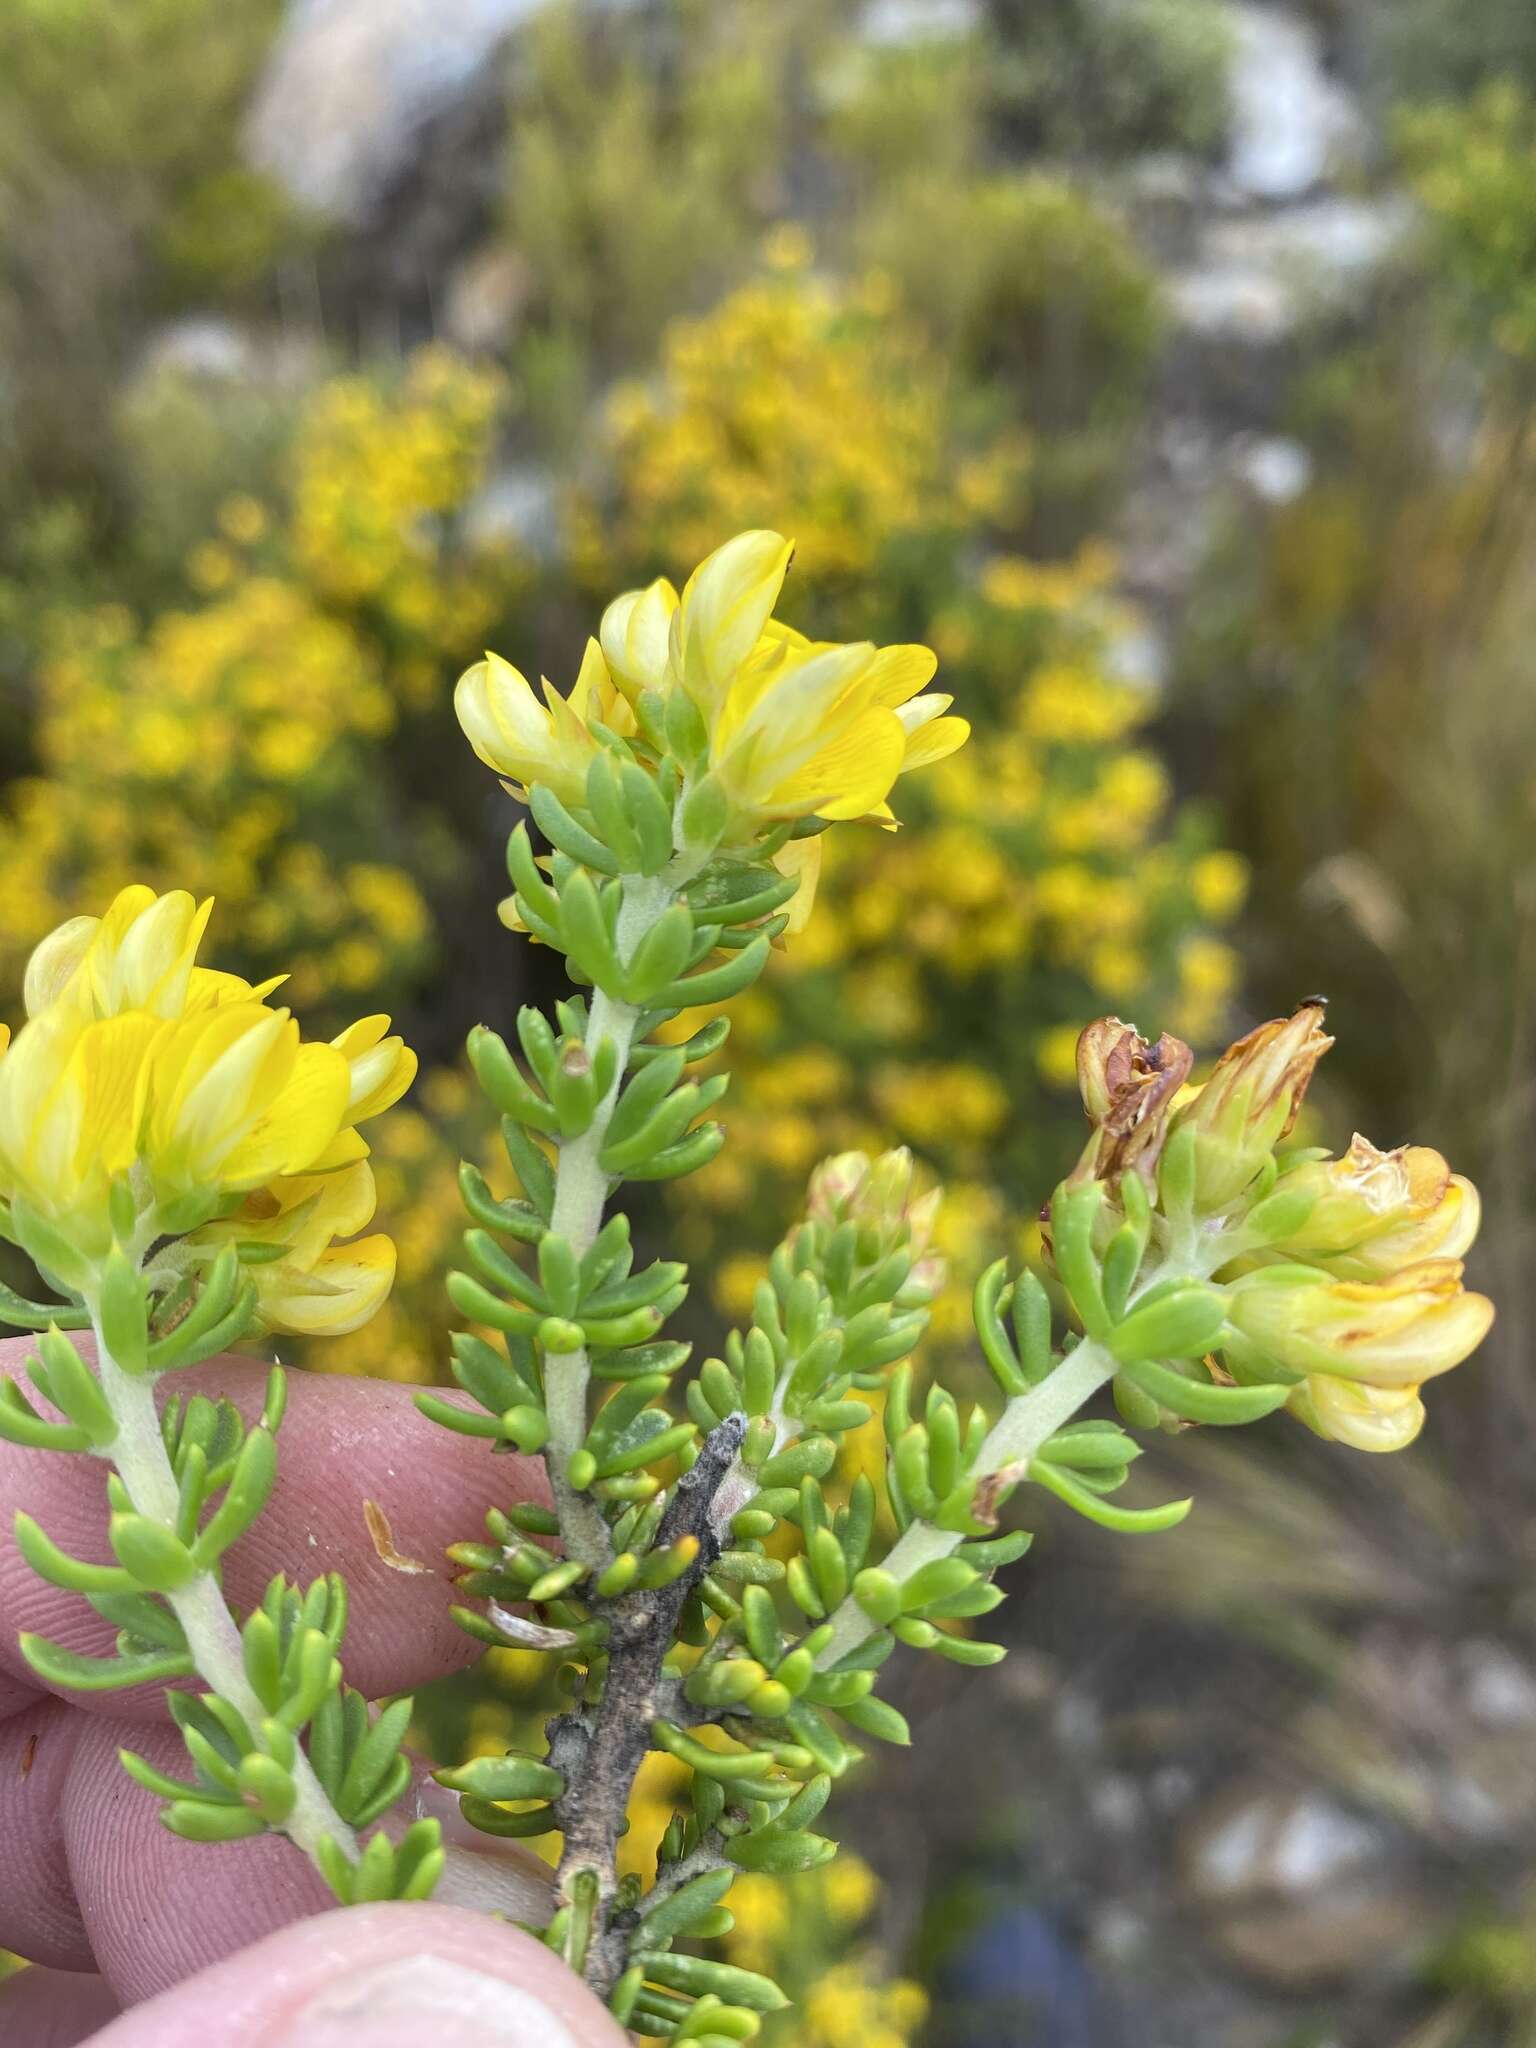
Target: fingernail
{"type": "Point", "coordinates": [414, 1999]}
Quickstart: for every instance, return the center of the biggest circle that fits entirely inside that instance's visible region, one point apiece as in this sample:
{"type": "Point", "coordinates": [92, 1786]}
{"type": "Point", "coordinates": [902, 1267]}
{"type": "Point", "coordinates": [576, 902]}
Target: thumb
{"type": "Point", "coordinates": [386, 1976]}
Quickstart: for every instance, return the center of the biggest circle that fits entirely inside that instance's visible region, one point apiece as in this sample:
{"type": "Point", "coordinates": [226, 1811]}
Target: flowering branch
{"type": "Point", "coordinates": [682, 787]}
{"type": "Point", "coordinates": [175, 1161]}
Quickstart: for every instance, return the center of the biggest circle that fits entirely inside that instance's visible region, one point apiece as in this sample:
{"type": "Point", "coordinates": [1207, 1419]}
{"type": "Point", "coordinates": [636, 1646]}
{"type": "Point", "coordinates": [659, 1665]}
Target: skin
{"type": "Point", "coordinates": [114, 1910]}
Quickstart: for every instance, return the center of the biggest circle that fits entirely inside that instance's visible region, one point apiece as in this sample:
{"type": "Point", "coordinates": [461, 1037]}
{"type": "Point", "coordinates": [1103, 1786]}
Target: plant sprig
{"type": "Point", "coordinates": [715, 1592]}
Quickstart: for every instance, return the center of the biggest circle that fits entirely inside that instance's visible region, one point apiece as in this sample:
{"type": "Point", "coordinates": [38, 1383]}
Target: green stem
{"type": "Point", "coordinates": [1027, 1423]}
{"type": "Point", "coordinates": [144, 1466]}
{"type": "Point", "coordinates": [486, 1884]}
{"type": "Point", "coordinates": [581, 1190]}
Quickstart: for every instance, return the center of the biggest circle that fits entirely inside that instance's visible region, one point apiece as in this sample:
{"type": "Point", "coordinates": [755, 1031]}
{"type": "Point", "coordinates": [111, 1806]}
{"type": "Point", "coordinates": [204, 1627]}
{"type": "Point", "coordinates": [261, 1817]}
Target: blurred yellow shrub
{"type": "Point", "coordinates": [800, 403]}
{"type": "Point", "coordinates": [246, 743]}
{"type": "Point", "coordinates": [805, 1932]}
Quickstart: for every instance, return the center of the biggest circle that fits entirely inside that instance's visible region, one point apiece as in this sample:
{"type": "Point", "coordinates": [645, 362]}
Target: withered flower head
{"type": "Point", "coordinates": [1128, 1089]}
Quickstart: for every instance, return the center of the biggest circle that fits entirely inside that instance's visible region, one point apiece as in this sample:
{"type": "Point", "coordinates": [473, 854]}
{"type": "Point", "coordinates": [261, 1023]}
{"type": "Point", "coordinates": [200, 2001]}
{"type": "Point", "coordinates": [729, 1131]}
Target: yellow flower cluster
{"type": "Point", "coordinates": [1353, 1289]}
{"type": "Point", "coordinates": [148, 1098]}
{"type": "Point", "coordinates": [241, 742]}
{"type": "Point", "coordinates": [788, 728]}
{"type": "Point", "coordinates": [798, 400]}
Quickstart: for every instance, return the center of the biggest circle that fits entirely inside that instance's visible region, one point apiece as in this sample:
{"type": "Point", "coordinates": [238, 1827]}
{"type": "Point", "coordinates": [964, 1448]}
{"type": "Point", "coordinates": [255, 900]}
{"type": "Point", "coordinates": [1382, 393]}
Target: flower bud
{"type": "Point", "coordinates": [1365, 1418]}
{"type": "Point", "coordinates": [876, 1197]}
{"type": "Point", "coordinates": [1375, 1212]}
{"type": "Point", "coordinates": [835, 1185]}
{"type": "Point", "coordinates": [1250, 1102]}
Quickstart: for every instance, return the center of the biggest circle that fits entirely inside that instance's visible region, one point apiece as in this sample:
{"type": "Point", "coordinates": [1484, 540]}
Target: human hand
{"type": "Point", "coordinates": [115, 1910]}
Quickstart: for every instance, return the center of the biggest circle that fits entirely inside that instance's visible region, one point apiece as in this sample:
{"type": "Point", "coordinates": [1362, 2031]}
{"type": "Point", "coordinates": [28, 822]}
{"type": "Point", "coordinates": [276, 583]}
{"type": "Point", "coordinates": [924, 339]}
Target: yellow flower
{"type": "Point", "coordinates": [139, 1064]}
{"type": "Point", "coordinates": [636, 637]}
{"type": "Point", "coordinates": [1208, 972]}
{"type": "Point", "coordinates": [1056, 1055]}
{"type": "Point", "coordinates": [797, 728]}
{"type": "Point", "coordinates": [787, 246]}
{"type": "Point", "coordinates": [318, 1287]}
{"type": "Point", "coordinates": [1376, 1212]}
{"type": "Point", "coordinates": [1366, 1418]}
{"type": "Point", "coordinates": [1388, 1334]}
{"type": "Point", "coordinates": [243, 519]}
{"type": "Point", "coordinates": [851, 1888]}
{"type": "Point", "coordinates": [381, 1067]}
{"type": "Point", "coordinates": [1218, 882]}
{"type": "Point", "coordinates": [55, 1154]}
{"type": "Point", "coordinates": [726, 605]}
{"type": "Point", "coordinates": [528, 742]}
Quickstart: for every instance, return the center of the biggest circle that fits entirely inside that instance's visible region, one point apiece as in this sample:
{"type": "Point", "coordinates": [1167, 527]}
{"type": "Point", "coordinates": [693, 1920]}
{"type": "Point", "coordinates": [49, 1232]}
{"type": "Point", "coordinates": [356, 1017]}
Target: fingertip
{"type": "Point", "coordinates": [53, 2008]}
{"type": "Point", "coordinates": [385, 1976]}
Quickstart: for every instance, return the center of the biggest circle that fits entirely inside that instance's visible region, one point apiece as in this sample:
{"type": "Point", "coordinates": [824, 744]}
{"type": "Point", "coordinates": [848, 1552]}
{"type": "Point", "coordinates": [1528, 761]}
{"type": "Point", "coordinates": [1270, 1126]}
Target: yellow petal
{"type": "Point", "coordinates": [801, 858]}
{"type": "Point", "coordinates": [210, 986]}
{"type": "Point", "coordinates": [1367, 1418]}
{"type": "Point", "coordinates": [303, 1212]}
{"type": "Point", "coordinates": [214, 1074]}
{"type": "Point", "coordinates": [297, 1127]}
{"type": "Point", "coordinates": [54, 961]}
{"type": "Point", "coordinates": [848, 777]}
{"type": "Point", "coordinates": [42, 1109]}
{"type": "Point", "coordinates": [115, 1060]}
{"type": "Point", "coordinates": [779, 718]}
{"type": "Point", "coordinates": [346, 1286]}
{"type": "Point", "coordinates": [382, 1068]}
{"type": "Point", "coordinates": [727, 602]}
{"type": "Point", "coordinates": [151, 965]}
{"type": "Point", "coordinates": [636, 637]}
{"type": "Point", "coordinates": [934, 742]}
{"type": "Point", "coordinates": [901, 672]}
{"type": "Point", "coordinates": [345, 1149]}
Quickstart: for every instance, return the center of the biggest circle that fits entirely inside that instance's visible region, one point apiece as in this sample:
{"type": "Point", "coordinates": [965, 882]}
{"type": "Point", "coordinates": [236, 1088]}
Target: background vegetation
{"type": "Point", "coordinates": [935, 296]}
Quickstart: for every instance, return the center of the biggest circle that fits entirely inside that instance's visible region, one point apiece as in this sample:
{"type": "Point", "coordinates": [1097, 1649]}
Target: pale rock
{"type": "Point", "coordinates": [351, 83]}
{"type": "Point", "coordinates": [1291, 124]}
